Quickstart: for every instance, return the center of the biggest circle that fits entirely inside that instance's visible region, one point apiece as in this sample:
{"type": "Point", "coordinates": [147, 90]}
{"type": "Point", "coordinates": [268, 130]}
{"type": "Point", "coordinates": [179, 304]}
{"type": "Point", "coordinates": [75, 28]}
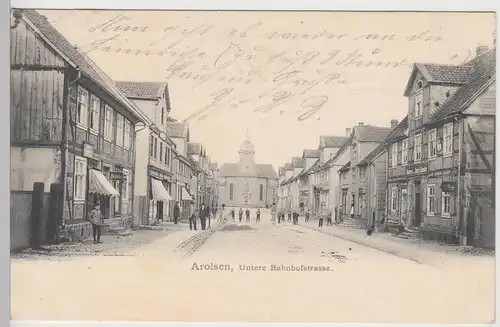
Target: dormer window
{"type": "Point", "coordinates": [419, 99]}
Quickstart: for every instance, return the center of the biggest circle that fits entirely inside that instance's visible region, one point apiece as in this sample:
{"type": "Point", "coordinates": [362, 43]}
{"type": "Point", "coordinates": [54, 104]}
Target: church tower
{"type": "Point", "coordinates": [247, 158]}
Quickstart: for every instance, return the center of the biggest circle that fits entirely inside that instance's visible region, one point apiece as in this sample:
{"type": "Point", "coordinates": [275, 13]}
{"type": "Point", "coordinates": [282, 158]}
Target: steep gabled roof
{"type": "Point", "coordinates": [194, 149]}
{"type": "Point", "coordinates": [298, 162]}
{"type": "Point", "coordinates": [346, 144]}
{"type": "Point", "coordinates": [331, 141]}
{"type": "Point", "coordinates": [178, 130]}
{"type": "Point", "coordinates": [483, 75]}
{"type": "Point", "coordinates": [439, 74]}
{"type": "Point", "coordinates": [310, 153]}
{"type": "Point", "coordinates": [78, 59]}
{"type": "Point", "coordinates": [142, 90]}
{"type": "Point", "coordinates": [394, 135]}
{"type": "Point", "coordinates": [371, 133]}
{"type": "Point", "coordinates": [288, 166]}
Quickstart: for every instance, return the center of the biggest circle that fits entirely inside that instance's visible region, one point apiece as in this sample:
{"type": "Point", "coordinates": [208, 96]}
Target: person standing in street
{"type": "Point", "coordinates": [321, 215]}
{"type": "Point", "coordinates": [96, 221]}
{"type": "Point", "coordinates": [247, 215]}
{"type": "Point", "coordinates": [192, 217]}
{"type": "Point", "coordinates": [257, 219]}
{"type": "Point", "coordinates": [177, 212]}
{"type": "Point", "coordinates": [203, 216]}
{"type": "Point", "coordinates": [214, 211]}
{"type": "Point", "coordinates": [240, 214]}
{"type": "Point", "coordinates": [308, 214]}
{"type": "Point", "coordinates": [233, 214]}
{"type": "Point", "coordinates": [273, 213]}
{"type": "Point", "coordinates": [295, 217]}
{"type": "Point", "coordinates": [289, 216]}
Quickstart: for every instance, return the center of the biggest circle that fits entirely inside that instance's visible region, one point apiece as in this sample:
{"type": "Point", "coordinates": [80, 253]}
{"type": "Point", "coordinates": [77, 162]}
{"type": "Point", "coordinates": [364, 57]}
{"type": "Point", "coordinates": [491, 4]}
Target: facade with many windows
{"type": "Point", "coordinates": [88, 133]}
{"type": "Point", "coordinates": [432, 167]}
{"type": "Point", "coordinates": [153, 179]}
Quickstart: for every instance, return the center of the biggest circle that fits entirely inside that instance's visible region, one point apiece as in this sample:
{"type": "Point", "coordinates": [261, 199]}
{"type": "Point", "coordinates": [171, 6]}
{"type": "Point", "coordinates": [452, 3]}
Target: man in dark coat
{"type": "Point", "coordinates": [247, 215]}
{"type": "Point", "coordinates": [203, 216]}
{"type": "Point", "coordinates": [295, 217]}
{"type": "Point", "coordinates": [177, 212]}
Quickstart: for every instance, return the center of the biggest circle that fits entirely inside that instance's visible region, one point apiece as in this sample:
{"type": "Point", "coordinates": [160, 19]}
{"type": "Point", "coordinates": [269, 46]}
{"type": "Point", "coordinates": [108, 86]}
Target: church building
{"type": "Point", "coordinates": [245, 183]}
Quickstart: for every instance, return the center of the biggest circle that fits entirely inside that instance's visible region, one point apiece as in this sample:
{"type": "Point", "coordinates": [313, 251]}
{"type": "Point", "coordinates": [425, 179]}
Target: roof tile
{"type": "Point", "coordinates": [142, 90]}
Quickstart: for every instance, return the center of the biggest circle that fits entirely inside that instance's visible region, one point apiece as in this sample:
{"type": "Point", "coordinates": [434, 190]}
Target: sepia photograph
{"type": "Point", "coordinates": [252, 166]}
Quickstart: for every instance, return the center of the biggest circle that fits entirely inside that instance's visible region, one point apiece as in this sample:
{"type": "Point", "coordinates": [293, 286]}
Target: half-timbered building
{"type": "Point", "coordinates": [70, 126]}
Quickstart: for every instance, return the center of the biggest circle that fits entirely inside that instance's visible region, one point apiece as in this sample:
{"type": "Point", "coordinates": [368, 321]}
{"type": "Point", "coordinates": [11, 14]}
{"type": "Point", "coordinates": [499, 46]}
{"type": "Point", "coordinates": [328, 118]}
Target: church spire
{"type": "Point", "coordinates": [247, 135]}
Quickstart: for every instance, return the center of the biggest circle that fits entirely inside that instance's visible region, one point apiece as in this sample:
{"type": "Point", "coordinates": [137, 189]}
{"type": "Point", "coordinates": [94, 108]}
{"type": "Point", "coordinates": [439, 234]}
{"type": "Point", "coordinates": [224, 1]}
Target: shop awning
{"type": "Point", "coordinates": [98, 183]}
{"type": "Point", "coordinates": [185, 195]}
{"type": "Point", "coordinates": [159, 192]}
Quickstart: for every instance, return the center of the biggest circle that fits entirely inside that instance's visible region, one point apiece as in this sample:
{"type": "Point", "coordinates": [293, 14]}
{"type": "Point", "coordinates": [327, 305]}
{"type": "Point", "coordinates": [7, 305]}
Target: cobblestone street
{"type": "Point", "coordinates": [281, 273]}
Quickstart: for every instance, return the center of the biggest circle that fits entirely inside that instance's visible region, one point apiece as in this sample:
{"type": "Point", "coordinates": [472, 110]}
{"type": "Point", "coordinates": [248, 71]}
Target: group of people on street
{"type": "Point", "coordinates": [246, 213]}
{"type": "Point", "coordinates": [205, 214]}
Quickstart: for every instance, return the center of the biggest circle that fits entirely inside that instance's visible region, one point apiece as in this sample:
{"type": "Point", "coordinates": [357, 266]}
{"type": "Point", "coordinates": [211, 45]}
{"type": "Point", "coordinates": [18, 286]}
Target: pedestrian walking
{"type": "Point", "coordinates": [96, 221]}
{"type": "Point", "coordinates": [203, 216]}
{"type": "Point", "coordinates": [240, 214]}
{"type": "Point", "coordinates": [329, 218]}
{"type": "Point", "coordinates": [273, 213]}
{"type": "Point", "coordinates": [192, 217]}
{"type": "Point", "coordinates": [257, 218]}
{"type": "Point", "coordinates": [177, 212]}
{"type": "Point", "coordinates": [247, 215]}
{"type": "Point", "coordinates": [221, 213]}
{"type": "Point", "coordinates": [295, 217]}
{"type": "Point", "coordinates": [233, 215]}
{"type": "Point", "coordinates": [289, 216]}
{"type": "Point", "coordinates": [321, 215]}
{"type": "Point", "coordinates": [308, 214]}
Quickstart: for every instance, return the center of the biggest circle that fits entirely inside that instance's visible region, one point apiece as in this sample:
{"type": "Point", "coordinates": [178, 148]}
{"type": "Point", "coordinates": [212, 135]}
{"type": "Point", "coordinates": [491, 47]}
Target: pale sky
{"type": "Point", "coordinates": [265, 70]}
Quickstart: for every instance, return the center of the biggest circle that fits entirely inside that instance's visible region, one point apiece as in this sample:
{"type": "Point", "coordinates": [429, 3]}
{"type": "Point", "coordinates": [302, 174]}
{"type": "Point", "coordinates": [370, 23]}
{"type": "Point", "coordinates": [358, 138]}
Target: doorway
{"type": "Point", "coordinates": [159, 210]}
{"type": "Point", "coordinates": [418, 212]}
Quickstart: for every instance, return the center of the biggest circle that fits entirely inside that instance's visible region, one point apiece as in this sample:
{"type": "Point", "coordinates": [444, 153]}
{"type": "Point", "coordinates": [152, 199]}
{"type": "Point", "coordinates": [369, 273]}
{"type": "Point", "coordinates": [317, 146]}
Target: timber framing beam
{"type": "Point", "coordinates": [37, 67]}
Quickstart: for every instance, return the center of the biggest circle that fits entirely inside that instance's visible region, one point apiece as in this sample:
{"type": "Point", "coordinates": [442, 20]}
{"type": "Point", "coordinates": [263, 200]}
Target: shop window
{"type": "Point", "coordinates": [80, 179]}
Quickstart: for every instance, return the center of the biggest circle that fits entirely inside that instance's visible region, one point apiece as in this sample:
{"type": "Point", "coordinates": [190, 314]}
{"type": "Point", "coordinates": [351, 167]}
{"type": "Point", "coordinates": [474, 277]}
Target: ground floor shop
{"type": "Point", "coordinates": [91, 179]}
{"type": "Point", "coordinates": [161, 203]}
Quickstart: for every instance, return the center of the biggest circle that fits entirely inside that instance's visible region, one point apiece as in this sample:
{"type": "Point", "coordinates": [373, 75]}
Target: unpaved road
{"type": "Point", "coordinates": [343, 282]}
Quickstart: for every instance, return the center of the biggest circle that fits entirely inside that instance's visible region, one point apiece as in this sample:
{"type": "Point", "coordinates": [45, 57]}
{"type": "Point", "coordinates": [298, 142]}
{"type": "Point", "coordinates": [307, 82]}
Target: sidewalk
{"type": "Point", "coordinates": [112, 245]}
{"type": "Point", "coordinates": [424, 252]}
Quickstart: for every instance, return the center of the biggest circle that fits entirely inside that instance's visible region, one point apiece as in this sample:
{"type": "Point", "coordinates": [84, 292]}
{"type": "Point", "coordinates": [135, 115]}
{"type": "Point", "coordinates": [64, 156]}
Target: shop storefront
{"type": "Point", "coordinates": [160, 200]}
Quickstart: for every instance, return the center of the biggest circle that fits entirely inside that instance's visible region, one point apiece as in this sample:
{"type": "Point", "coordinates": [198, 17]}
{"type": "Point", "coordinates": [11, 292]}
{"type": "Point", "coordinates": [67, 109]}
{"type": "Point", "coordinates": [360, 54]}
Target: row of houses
{"type": "Point", "coordinates": [432, 173]}
{"type": "Point", "coordinates": [77, 131]}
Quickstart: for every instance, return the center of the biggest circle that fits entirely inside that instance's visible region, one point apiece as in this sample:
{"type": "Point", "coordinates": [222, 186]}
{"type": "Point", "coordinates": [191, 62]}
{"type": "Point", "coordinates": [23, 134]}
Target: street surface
{"type": "Point", "coordinates": [228, 275]}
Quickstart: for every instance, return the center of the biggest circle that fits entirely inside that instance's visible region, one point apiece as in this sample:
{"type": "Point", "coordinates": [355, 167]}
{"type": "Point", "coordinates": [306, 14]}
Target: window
{"type": "Point", "coordinates": [108, 123]}
{"type": "Point", "coordinates": [430, 199]}
{"type": "Point", "coordinates": [119, 129]}
{"type": "Point", "coordinates": [161, 151]}
{"type": "Point", "coordinates": [126, 181]}
{"type": "Point", "coordinates": [360, 204]}
{"type": "Point", "coordinates": [151, 146]}
{"type": "Point", "coordinates": [394, 198]}
{"type": "Point", "coordinates": [432, 143]}
{"type": "Point", "coordinates": [231, 191]}
{"type": "Point", "coordinates": [82, 111]}
{"type": "Point", "coordinates": [404, 151]}
{"type": "Point", "coordinates": [445, 204]}
{"type": "Point", "coordinates": [448, 139]}
{"type": "Point", "coordinates": [261, 193]}
{"type": "Point", "coordinates": [126, 135]}
{"type": "Point", "coordinates": [394, 154]}
{"type": "Point", "coordinates": [80, 183]}
{"type": "Point", "coordinates": [162, 115]}
{"type": "Point", "coordinates": [95, 107]}
{"type": "Point", "coordinates": [418, 147]}
{"type": "Point", "coordinates": [167, 156]}
{"type": "Point", "coordinates": [155, 149]}
{"type": "Point", "coordinates": [418, 100]}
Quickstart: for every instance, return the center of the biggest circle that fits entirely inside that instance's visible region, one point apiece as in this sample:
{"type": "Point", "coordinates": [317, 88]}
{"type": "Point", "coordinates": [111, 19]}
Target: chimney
{"type": "Point", "coordinates": [394, 123]}
{"type": "Point", "coordinates": [481, 49]}
{"type": "Point", "coordinates": [361, 124]}
{"type": "Point", "coordinates": [348, 132]}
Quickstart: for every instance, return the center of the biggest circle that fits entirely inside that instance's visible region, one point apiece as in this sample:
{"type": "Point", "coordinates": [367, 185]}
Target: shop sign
{"type": "Point", "coordinates": [448, 187]}
{"type": "Point", "coordinates": [89, 151]}
{"type": "Point", "coordinates": [116, 175]}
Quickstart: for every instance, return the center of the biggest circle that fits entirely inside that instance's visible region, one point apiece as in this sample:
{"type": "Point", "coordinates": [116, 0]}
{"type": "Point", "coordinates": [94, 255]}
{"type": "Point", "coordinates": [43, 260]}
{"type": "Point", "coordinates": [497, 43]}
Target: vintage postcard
{"type": "Point", "coordinates": [259, 166]}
